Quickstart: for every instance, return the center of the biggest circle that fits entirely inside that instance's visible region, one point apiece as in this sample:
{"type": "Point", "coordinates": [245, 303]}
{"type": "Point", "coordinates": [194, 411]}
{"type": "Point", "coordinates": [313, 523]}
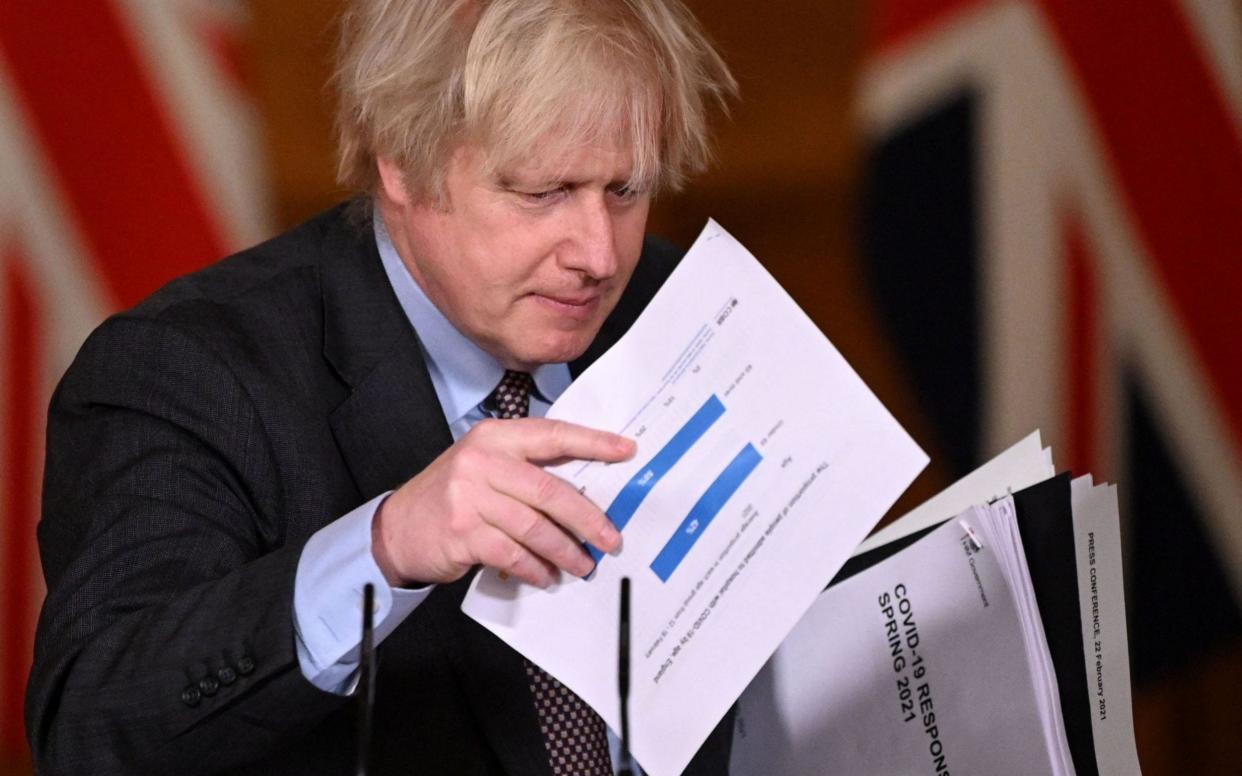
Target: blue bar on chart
{"type": "Point", "coordinates": [704, 511]}
{"type": "Point", "coordinates": [631, 496]}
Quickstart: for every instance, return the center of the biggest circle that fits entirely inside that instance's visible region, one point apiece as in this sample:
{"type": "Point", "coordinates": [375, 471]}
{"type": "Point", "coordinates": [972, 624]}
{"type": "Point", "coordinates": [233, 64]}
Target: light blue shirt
{"type": "Point", "coordinates": [337, 563]}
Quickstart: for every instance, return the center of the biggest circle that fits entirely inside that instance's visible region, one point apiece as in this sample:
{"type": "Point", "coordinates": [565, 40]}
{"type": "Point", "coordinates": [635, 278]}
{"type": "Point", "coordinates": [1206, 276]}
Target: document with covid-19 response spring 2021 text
{"type": "Point", "coordinates": [763, 460]}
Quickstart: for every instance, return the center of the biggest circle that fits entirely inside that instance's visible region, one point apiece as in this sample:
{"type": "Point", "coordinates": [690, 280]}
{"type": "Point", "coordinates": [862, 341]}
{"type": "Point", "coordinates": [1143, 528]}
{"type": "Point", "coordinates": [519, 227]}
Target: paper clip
{"type": "Point", "coordinates": [970, 534]}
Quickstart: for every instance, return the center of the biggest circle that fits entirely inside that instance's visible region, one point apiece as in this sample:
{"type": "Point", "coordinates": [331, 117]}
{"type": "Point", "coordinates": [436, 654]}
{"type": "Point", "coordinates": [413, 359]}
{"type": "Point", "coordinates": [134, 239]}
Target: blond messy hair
{"type": "Point", "coordinates": [520, 79]}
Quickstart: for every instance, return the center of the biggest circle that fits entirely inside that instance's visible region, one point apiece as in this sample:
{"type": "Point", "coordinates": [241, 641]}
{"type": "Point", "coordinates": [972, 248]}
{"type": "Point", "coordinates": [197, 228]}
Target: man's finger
{"type": "Point", "coordinates": [538, 533]}
{"type": "Point", "coordinates": [540, 440]}
{"type": "Point", "coordinates": [552, 496]}
{"type": "Point", "coordinates": [497, 550]}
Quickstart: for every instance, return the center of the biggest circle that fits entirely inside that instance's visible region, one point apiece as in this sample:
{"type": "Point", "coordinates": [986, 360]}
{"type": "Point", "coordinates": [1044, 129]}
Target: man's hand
{"type": "Point", "coordinates": [487, 500]}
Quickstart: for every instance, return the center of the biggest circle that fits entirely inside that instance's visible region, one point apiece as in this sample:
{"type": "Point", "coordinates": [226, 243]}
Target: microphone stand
{"type": "Point", "coordinates": [366, 679]}
{"type": "Point", "coordinates": [623, 678]}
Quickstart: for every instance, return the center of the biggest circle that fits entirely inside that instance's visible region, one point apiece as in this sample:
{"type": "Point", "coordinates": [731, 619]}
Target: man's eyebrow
{"type": "Point", "coordinates": [549, 182]}
{"type": "Point", "coordinates": [544, 183]}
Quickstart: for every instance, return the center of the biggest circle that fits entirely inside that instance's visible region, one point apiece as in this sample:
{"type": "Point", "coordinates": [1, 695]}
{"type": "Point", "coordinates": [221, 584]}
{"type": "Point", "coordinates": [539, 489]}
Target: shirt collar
{"type": "Point", "coordinates": [462, 373]}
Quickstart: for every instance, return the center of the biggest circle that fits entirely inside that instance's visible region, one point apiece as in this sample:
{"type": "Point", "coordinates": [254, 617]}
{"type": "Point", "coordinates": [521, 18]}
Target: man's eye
{"type": "Point", "coordinates": [545, 195]}
{"type": "Point", "coordinates": [625, 193]}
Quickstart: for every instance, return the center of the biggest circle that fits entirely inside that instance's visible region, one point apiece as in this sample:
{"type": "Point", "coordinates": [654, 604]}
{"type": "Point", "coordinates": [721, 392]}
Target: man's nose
{"type": "Point", "coordinates": [594, 250]}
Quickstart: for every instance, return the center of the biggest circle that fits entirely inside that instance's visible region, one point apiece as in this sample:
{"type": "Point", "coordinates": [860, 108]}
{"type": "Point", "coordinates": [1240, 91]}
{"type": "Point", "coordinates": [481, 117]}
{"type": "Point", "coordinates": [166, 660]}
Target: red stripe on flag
{"type": "Point", "coordinates": [23, 405]}
{"type": "Point", "coordinates": [895, 22]}
{"type": "Point", "coordinates": [1176, 152]}
{"type": "Point", "coordinates": [111, 145]}
{"type": "Point", "coordinates": [1082, 340]}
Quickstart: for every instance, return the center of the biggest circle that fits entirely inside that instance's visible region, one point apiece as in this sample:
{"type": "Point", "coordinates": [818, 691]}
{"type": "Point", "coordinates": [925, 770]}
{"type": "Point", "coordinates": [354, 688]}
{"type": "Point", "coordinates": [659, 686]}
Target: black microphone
{"type": "Point", "coordinates": [623, 678]}
{"type": "Point", "coordinates": [366, 678]}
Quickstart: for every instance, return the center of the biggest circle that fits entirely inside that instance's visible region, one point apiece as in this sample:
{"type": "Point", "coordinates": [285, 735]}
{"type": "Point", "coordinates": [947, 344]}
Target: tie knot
{"type": "Point", "coordinates": [511, 399]}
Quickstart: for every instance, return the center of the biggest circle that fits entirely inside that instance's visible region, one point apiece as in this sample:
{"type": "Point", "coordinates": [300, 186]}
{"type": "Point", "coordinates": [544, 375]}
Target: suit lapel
{"type": "Point", "coordinates": [389, 428]}
{"type": "Point", "coordinates": [391, 425]}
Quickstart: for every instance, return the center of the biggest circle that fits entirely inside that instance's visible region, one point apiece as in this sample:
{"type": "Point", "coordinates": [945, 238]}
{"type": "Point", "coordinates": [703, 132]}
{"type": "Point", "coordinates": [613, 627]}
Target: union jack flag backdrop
{"type": "Point", "coordinates": [1053, 229]}
{"type": "Point", "coordinates": [127, 156]}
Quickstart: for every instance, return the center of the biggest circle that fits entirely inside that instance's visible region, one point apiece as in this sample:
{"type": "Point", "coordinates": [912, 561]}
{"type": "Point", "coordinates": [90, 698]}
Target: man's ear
{"type": "Point", "coordinates": [392, 181]}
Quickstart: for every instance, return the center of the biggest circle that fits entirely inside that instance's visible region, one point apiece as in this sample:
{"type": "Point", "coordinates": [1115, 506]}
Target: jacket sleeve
{"type": "Point", "coordinates": [166, 640]}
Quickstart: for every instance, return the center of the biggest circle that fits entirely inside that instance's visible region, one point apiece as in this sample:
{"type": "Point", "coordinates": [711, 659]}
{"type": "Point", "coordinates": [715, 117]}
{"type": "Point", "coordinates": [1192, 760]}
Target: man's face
{"type": "Point", "coordinates": [526, 262]}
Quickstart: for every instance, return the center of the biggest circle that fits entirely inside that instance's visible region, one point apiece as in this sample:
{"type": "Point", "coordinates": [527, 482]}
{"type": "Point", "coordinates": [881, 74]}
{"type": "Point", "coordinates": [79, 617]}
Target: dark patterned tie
{"type": "Point", "coordinates": [573, 733]}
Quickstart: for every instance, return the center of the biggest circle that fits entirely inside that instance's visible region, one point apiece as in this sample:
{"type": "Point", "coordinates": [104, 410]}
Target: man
{"type": "Point", "coordinates": [231, 461]}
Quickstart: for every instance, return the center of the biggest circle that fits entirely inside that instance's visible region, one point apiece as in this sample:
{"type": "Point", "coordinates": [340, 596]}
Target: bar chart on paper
{"type": "Point", "coordinates": [635, 491]}
{"type": "Point", "coordinates": [704, 510]}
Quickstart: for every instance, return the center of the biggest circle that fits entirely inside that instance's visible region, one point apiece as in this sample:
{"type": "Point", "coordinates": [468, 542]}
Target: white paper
{"type": "Point", "coordinates": [998, 522]}
{"type": "Point", "coordinates": [820, 461]}
{"type": "Point", "coordinates": [918, 664]}
{"type": "Point", "coordinates": [1021, 466]}
{"type": "Point", "coordinates": [1097, 544]}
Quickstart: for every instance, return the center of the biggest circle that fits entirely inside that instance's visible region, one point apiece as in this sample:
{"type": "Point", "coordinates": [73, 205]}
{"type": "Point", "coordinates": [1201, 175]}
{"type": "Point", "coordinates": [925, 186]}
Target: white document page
{"type": "Point", "coordinates": [763, 460]}
{"type": "Point", "coordinates": [1022, 465]}
{"type": "Point", "coordinates": [917, 665]}
{"type": "Point", "coordinates": [997, 523]}
{"type": "Point", "coordinates": [1101, 590]}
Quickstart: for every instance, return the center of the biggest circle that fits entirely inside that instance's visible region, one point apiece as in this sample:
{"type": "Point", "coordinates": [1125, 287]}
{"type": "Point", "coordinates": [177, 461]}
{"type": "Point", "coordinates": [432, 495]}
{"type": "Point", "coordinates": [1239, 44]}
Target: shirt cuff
{"type": "Point", "coordinates": [335, 566]}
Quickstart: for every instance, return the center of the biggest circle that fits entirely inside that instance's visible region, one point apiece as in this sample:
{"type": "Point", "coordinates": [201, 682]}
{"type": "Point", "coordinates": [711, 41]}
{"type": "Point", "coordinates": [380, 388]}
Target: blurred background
{"type": "Point", "coordinates": [1008, 215]}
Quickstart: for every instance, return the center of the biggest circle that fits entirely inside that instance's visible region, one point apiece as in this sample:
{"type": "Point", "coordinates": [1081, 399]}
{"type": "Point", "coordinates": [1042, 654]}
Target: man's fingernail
{"type": "Point", "coordinates": [609, 535]}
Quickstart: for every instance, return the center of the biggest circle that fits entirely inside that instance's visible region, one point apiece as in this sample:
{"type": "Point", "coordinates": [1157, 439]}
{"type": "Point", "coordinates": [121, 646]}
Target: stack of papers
{"type": "Point", "coordinates": [1004, 662]}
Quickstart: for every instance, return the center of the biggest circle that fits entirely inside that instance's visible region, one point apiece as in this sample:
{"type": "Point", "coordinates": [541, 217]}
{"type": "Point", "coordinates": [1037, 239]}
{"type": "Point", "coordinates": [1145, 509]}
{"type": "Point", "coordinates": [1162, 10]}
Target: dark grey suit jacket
{"type": "Point", "coordinates": [194, 445]}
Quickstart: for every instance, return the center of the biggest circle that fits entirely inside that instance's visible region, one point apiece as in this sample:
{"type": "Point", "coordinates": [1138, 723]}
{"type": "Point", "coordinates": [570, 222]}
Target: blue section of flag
{"type": "Point", "coordinates": [631, 496]}
{"type": "Point", "coordinates": [704, 511]}
{"type": "Point", "coordinates": [919, 198]}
